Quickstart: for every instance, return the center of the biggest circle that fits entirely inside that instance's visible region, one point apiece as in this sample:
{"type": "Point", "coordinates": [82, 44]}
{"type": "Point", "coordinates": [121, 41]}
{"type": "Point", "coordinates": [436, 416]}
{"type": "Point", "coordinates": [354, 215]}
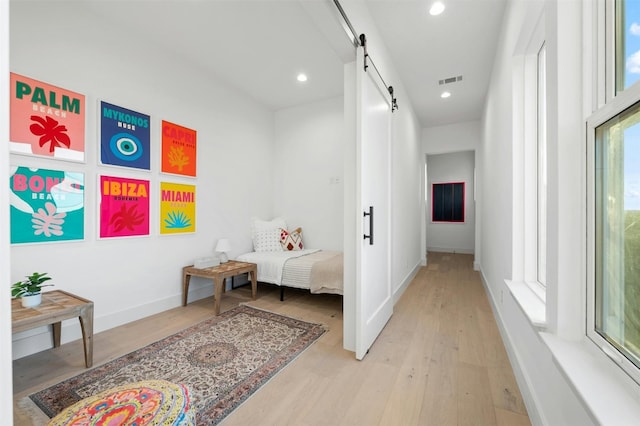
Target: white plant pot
{"type": "Point", "coordinates": [31, 301]}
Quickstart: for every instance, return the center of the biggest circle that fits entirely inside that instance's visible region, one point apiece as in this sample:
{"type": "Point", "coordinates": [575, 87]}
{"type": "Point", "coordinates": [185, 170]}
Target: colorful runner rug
{"type": "Point", "coordinates": [222, 361]}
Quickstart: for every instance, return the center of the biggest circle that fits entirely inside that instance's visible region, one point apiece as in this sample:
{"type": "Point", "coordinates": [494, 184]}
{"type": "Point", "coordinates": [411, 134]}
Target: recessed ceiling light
{"type": "Point", "coordinates": [445, 95]}
{"type": "Point", "coordinates": [436, 8]}
{"type": "Point", "coordinates": [302, 77]}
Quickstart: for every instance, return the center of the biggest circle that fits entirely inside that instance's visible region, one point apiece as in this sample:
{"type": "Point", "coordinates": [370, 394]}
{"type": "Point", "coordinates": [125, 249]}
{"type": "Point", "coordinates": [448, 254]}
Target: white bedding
{"type": "Point", "coordinates": [316, 270]}
{"type": "Point", "coordinates": [271, 263]}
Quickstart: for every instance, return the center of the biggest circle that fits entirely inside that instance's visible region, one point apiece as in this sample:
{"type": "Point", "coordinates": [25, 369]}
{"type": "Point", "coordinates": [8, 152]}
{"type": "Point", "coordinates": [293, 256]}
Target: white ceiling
{"type": "Point", "coordinates": [426, 49]}
{"type": "Point", "coordinates": [259, 46]}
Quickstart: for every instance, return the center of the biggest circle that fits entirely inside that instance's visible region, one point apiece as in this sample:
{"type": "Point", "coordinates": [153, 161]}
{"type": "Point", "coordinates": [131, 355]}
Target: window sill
{"type": "Point", "coordinates": [609, 394]}
{"type": "Point", "coordinates": [531, 302]}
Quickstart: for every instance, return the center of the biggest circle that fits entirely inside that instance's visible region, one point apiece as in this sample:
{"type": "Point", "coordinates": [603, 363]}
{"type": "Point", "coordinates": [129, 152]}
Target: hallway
{"type": "Point", "coordinates": [439, 361]}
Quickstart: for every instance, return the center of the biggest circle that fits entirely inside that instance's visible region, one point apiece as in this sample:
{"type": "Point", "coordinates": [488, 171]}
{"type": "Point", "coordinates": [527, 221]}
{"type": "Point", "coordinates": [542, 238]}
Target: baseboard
{"type": "Point", "coordinates": [522, 378]}
{"type": "Point", "coordinates": [397, 294]}
{"type": "Point", "coordinates": [40, 338]}
{"type": "Point", "coordinates": [451, 250]}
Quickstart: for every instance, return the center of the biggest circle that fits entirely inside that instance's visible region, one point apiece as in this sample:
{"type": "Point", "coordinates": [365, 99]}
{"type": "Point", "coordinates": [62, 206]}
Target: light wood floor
{"type": "Point", "coordinates": [439, 361]}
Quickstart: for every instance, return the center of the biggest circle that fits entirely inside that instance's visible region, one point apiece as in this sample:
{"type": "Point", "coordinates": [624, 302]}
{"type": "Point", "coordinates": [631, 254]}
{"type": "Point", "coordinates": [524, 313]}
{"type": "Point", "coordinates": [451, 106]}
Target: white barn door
{"type": "Point", "coordinates": [374, 301]}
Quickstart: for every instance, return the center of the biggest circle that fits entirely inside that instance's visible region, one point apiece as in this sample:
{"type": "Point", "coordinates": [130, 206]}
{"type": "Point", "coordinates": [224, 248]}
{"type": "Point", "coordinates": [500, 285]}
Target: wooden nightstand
{"type": "Point", "coordinates": [218, 274]}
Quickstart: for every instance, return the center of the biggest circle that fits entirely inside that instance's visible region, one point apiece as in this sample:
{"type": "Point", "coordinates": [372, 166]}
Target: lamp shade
{"type": "Point", "coordinates": [223, 245]}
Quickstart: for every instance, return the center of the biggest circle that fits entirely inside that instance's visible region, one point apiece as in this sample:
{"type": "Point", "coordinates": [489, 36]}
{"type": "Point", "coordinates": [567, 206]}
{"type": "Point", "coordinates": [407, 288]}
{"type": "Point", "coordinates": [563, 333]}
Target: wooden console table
{"type": "Point", "coordinates": [56, 306]}
{"type": "Point", "coordinates": [218, 274]}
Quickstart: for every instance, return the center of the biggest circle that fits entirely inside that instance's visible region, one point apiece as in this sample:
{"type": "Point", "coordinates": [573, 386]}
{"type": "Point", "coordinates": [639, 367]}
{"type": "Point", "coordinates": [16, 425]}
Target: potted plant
{"type": "Point", "coordinates": [30, 289]}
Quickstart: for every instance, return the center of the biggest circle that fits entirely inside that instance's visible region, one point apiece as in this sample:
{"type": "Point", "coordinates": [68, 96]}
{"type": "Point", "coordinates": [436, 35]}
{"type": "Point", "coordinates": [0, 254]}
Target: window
{"type": "Point", "coordinates": [615, 228]}
{"type": "Point", "coordinates": [447, 202]}
{"type": "Point", "coordinates": [627, 43]}
{"type": "Point", "coordinates": [613, 196]}
{"type": "Point", "coordinates": [530, 156]}
{"type": "Point", "coordinates": [534, 161]}
{"type": "Point", "coordinates": [541, 172]}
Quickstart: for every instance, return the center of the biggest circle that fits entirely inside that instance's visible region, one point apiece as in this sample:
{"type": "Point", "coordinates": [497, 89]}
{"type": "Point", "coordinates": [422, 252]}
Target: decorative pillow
{"type": "Point", "coordinates": [267, 240]}
{"type": "Point", "coordinates": [265, 234]}
{"type": "Point", "coordinates": [291, 240]}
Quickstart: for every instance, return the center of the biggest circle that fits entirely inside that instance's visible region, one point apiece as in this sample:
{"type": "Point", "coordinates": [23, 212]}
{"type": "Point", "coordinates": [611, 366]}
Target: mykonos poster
{"type": "Point", "coordinates": [124, 137]}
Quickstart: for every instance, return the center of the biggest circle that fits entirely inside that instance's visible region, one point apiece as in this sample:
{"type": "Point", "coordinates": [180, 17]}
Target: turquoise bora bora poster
{"type": "Point", "coordinates": [46, 205]}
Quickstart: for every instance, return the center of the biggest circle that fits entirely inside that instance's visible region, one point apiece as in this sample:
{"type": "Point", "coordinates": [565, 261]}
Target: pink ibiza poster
{"type": "Point", "coordinates": [46, 120]}
{"type": "Point", "coordinates": [124, 207]}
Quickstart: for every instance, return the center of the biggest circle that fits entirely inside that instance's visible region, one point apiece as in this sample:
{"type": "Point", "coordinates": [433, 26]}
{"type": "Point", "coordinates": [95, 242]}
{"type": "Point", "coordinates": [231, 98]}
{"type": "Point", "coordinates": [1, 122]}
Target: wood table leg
{"type": "Point", "coordinates": [185, 287]}
{"type": "Point", "coordinates": [218, 283]}
{"type": "Point", "coordinates": [57, 332]}
{"type": "Point", "coordinates": [254, 284]}
{"type": "Point", "coordinates": [86, 324]}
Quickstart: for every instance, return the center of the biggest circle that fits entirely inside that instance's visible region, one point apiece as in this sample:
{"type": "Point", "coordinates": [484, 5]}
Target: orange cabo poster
{"type": "Point", "coordinates": [178, 149]}
{"type": "Point", "coordinates": [46, 120]}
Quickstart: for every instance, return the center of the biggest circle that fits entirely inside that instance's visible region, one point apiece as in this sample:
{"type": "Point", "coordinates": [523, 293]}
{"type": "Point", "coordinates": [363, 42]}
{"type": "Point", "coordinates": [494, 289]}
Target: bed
{"type": "Point", "coordinates": [319, 271]}
{"type": "Point", "coordinates": [283, 260]}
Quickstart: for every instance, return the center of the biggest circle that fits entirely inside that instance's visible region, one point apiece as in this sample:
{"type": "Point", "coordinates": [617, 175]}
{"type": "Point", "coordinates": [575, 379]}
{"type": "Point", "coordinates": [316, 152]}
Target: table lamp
{"type": "Point", "coordinates": [222, 248]}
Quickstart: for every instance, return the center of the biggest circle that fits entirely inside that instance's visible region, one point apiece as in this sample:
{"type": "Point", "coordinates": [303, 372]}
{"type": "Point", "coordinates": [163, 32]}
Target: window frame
{"type": "Point", "coordinates": [608, 102]}
{"type": "Point", "coordinates": [541, 154]}
{"type": "Point", "coordinates": [623, 101]}
{"type": "Point", "coordinates": [523, 286]}
{"type": "Point", "coordinates": [531, 131]}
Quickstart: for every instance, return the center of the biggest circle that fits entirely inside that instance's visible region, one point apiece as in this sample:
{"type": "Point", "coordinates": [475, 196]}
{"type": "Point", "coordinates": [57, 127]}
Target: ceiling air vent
{"type": "Point", "coordinates": [450, 80]}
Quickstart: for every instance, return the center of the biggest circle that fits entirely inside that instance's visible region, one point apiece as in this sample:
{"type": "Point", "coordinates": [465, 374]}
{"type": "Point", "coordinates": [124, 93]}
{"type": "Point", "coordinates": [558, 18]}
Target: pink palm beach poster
{"type": "Point", "coordinates": [124, 207]}
{"type": "Point", "coordinates": [46, 120]}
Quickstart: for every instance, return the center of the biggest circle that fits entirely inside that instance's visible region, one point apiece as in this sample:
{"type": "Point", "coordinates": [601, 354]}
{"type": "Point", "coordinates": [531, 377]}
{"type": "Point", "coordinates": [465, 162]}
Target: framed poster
{"type": "Point", "coordinates": [178, 150]}
{"type": "Point", "coordinates": [177, 208]}
{"type": "Point", "coordinates": [46, 205]}
{"type": "Point", "coordinates": [125, 137]}
{"type": "Point", "coordinates": [447, 202]}
{"type": "Point", "coordinates": [46, 120]}
{"type": "Point", "coordinates": [124, 207]}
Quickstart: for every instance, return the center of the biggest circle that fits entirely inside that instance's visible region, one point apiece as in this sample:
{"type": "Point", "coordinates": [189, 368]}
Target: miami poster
{"type": "Point", "coordinates": [177, 208]}
{"type": "Point", "coordinates": [124, 137]}
{"type": "Point", "coordinates": [46, 205]}
{"type": "Point", "coordinates": [124, 207]}
{"type": "Point", "coordinates": [178, 150]}
{"type": "Point", "coordinates": [46, 120]}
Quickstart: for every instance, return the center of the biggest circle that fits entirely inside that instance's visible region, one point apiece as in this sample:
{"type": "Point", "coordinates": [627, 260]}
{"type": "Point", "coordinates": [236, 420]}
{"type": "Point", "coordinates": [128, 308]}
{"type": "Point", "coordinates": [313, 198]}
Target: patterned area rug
{"type": "Point", "coordinates": [222, 361]}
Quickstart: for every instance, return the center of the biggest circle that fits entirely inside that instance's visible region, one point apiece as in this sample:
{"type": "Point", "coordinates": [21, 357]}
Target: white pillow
{"type": "Point", "coordinates": [267, 240]}
{"type": "Point", "coordinates": [265, 234]}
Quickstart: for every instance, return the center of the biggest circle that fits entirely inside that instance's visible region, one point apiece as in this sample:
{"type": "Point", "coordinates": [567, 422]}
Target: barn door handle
{"type": "Point", "coordinates": [370, 215]}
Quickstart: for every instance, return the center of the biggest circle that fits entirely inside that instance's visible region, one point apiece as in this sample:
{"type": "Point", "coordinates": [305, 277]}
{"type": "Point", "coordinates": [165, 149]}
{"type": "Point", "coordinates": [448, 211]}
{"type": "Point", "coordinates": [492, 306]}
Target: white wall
{"type": "Point", "coordinates": [132, 278]}
{"type": "Point", "coordinates": [531, 359]}
{"type": "Point", "coordinates": [308, 171]}
{"type": "Point", "coordinates": [407, 201]}
{"type": "Point", "coordinates": [456, 137]}
{"type": "Point", "coordinates": [465, 136]}
{"type": "Point", "coordinates": [452, 237]}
